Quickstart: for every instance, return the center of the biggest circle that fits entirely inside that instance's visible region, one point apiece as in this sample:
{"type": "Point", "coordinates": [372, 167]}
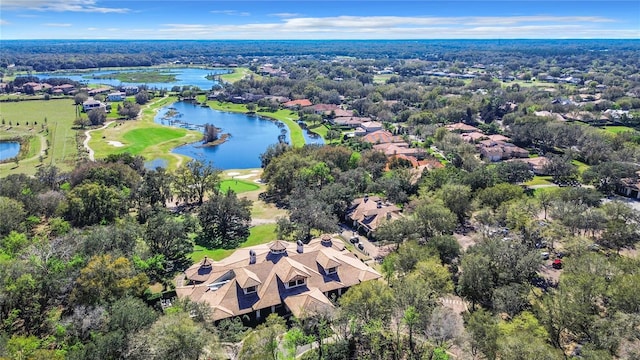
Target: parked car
{"type": "Point", "coordinates": [354, 240]}
{"type": "Point", "coordinates": [545, 255]}
{"type": "Point", "coordinates": [557, 264]}
{"type": "Point", "coordinates": [360, 246]}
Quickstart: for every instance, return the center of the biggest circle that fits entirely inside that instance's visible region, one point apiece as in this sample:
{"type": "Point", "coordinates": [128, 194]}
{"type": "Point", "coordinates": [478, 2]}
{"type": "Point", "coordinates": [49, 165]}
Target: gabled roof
{"type": "Point", "coordinates": [308, 303]}
{"type": "Point", "coordinates": [222, 287]}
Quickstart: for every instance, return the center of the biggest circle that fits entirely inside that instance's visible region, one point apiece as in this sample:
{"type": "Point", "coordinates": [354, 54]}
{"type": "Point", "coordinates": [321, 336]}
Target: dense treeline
{"type": "Point", "coordinates": [49, 55]}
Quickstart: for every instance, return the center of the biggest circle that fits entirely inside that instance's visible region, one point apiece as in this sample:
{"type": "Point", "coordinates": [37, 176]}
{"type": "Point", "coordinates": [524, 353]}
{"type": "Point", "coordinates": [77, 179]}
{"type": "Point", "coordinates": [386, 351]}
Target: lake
{"type": "Point", "coordinates": [9, 149]}
{"type": "Point", "coordinates": [250, 135]}
{"type": "Point", "coordinates": [184, 77]}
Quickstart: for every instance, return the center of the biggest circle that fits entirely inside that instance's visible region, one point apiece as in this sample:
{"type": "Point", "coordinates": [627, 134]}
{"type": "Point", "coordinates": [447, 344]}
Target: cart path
{"type": "Point", "coordinates": [87, 135]}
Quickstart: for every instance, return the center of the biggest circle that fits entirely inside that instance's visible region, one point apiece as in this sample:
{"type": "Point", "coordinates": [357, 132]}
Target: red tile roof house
{"type": "Point", "coordinates": [368, 212]}
{"type": "Point", "coordinates": [382, 137]}
{"type": "Point", "coordinates": [300, 103]}
{"type": "Point", "coordinates": [279, 277]}
{"type": "Point", "coordinates": [461, 127]}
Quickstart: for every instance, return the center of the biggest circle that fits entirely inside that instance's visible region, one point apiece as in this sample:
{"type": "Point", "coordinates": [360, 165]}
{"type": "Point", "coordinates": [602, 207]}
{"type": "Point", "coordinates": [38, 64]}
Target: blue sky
{"type": "Point", "coordinates": [302, 19]}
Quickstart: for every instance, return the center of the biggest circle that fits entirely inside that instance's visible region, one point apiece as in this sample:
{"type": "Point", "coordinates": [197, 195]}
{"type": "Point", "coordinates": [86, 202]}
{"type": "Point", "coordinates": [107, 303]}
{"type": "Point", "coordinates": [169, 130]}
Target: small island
{"type": "Point", "coordinates": [153, 76]}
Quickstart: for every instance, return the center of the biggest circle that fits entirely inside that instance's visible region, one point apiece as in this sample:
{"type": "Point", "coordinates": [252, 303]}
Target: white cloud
{"type": "Point", "coordinates": [4, 22]}
{"type": "Point", "coordinates": [59, 6]}
{"type": "Point", "coordinates": [230, 12]}
{"type": "Point", "coordinates": [57, 24]}
{"type": "Point", "coordinates": [285, 15]}
{"type": "Point", "coordinates": [398, 27]}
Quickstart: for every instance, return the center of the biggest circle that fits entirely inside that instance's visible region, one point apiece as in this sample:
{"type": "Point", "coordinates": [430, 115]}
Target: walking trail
{"type": "Point", "coordinates": [87, 135]}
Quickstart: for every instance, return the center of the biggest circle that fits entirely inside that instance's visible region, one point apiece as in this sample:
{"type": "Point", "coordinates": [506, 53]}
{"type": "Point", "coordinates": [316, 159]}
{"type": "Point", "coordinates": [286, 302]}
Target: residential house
{"type": "Point", "coordinates": [91, 104]}
{"type": "Point", "coordinates": [116, 96]}
{"type": "Point", "coordinates": [130, 89]}
{"type": "Point", "coordinates": [462, 127]}
{"type": "Point", "coordinates": [279, 277]}
{"type": "Point", "coordinates": [324, 109]}
{"type": "Point", "coordinates": [349, 121]}
{"type": "Point", "coordinates": [64, 89]}
{"type": "Point", "coordinates": [499, 150]}
{"type": "Point", "coordinates": [381, 137]}
{"type": "Point", "coordinates": [298, 104]}
{"type": "Point", "coordinates": [368, 212]}
{"type": "Point", "coordinates": [371, 126]}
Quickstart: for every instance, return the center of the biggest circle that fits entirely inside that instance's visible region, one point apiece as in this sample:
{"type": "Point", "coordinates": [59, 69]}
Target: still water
{"type": "Point", "coordinates": [250, 135]}
{"type": "Point", "coordinates": [9, 149]}
{"type": "Point", "coordinates": [184, 77]}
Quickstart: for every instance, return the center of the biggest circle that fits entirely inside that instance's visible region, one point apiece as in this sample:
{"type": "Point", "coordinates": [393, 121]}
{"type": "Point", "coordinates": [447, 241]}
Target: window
{"type": "Point", "coordinates": [332, 270]}
{"type": "Point", "coordinates": [294, 283]}
{"type": "Point", "coordinates": [250, 290]}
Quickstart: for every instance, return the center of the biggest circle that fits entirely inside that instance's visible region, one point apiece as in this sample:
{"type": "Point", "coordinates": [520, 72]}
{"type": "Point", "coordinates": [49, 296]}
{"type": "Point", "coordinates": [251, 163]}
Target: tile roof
{"type": "Point", "coordinates": [224, 284]}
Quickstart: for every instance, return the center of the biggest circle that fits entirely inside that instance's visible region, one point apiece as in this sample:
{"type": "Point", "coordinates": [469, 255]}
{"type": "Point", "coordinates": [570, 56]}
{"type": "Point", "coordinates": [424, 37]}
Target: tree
{"type": "Point", "coordinates": [97, 116]}
{"type": "Point", "coordinates": [92, 203]}
{"type": "Point", "coordinates": [173, 336]}
{"type": "Point", "coordinates": [608, 176]}
{"type": "Point", "coordinates": [195, 180]}
{"type": "Point", "coordinates": [262, 343]}
{"type": "Point", "coordinates": [496, 195]}
{"type": "Point", "coordinates": [80, 97]}
{"type": "Point", "coordinates": [211, 133]}
{"type": "Point", "coordinates": [142, 97]}
{"type": "Point", "coordinates": [105, 279]}
{"type": "Point", "coordinates": [457, 198]}
{"type": "Point", "coordinates": [395, 231]}
{"type": "Point", "coordinates": [168, 236]}
{"type": "Point", "coordinates": [475, 282]}
{"type": "Point", "coordinates": [225, 221]}
{"type": "Point", "coordinates": [366, 302]}
{"type": "Point", "coordinates": [433, 218]}
{"type": "Point", "coordinates": [483, 328]}
{"type": "Point", "coordinates": [128, 110]}
{"type": "Point", "coordinates": [12, 215]}
{"type": "Point", "coordinates": [513, 172]}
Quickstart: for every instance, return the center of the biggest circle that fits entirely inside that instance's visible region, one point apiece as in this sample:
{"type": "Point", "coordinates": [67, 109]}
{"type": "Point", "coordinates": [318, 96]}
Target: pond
{"type": "Point", "coordinates": [184, 77]}
{"type": "Point", "coordinates": [250, 135]}
{"type": "Point", "coordinates": [9, 149]}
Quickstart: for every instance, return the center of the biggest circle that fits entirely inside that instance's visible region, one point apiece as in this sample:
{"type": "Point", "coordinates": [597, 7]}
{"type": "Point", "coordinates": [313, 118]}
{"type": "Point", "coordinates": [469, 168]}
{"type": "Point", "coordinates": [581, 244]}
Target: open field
{"type": "Point", "coordinates": [59, 114]}
{"type": "Point", "coordinates": [260, 234]}
{"type": "Point", "coordinates": [539, 180]}
{"type": "Point", "coordinates": [238, 186]}
{"type": "Point", "coordinates": [144, 137]}
{"type": "Point", "coordinates": [616, 129]}
{"type": "Point", "coordinates": [382, 79]}
{"type": "Point", "coordinates": [238, 74]}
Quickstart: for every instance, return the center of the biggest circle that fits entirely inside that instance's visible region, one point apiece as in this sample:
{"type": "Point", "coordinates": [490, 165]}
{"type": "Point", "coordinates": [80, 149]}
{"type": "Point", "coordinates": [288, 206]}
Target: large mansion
{"type": "Point", "coordinates": [279, 277]}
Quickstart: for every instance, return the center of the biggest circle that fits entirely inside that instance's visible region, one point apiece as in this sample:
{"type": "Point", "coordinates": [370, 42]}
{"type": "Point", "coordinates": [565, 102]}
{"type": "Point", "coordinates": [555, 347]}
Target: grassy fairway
{"type": "Point", "coordinates": [287, 117]}
{"type": "Point", "coordinates": [260, 234]}
{"type": "Point", "coordinates": [60, 115]}
{"type": "Point", "coordinates": [238, 186]}
{"type": "Point", "coordinates": [381, 79]}
{"type": "Point", "coordinates": [614, 129]}
{"type": "Point", "coordinates": [238, 74]}
{"type": "Point", "coordinates": [144, 137]}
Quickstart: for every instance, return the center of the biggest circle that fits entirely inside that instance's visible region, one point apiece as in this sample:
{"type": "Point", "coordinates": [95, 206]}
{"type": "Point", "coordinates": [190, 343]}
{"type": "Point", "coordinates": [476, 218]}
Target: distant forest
{"type": "Point", "coordinates": [51, 55]}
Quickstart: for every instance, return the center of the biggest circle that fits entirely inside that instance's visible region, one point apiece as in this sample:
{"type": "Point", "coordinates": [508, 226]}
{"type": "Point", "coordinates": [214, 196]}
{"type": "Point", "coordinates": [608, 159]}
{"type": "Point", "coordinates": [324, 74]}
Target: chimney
{"type": "Point", "coordinates": [300, 246]}
{"type": "Point", "coordinates": [252, 257]}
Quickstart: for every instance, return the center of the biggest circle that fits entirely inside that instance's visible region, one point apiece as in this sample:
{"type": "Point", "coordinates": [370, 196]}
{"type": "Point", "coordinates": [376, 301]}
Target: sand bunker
{"type": "Point", "coordinates": [244, 176]}
{"type": "Point", "coordinates": [232, 173]}
{"type": "Point", "coordinates": [115, 143]}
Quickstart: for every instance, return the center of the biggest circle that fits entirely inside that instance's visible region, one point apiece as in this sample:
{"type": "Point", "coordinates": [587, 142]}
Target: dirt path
{"type": "Point", "coordinates": [87, 135]}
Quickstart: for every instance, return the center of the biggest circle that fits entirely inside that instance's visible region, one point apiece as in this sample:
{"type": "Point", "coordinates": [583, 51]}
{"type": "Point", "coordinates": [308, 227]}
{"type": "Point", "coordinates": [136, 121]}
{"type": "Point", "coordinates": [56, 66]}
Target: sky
{"type": "Point", "coordinates": [302, 19]}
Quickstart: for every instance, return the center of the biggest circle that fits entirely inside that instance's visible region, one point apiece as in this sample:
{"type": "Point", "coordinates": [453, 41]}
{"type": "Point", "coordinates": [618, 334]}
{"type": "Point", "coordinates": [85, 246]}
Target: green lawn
{"type": "Point", "coordinates": [238, 186]}
{"type": "Point", "coordinates": [260, 234]}
{"type": "Point", "coordinates": [382, 79]}
{"type": "Point", "coordinates": [144, 137]}
{"type": "Point", "coordinates": [581, 166]}
{"type": "Point", "coordinates": [615, 129]}
{"type": "Point", "coordinates": [238, 74]}
{"type": "Point", "coordinates": [539, 180]}
{"type": "Point", "coordinates": [60, 114]}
